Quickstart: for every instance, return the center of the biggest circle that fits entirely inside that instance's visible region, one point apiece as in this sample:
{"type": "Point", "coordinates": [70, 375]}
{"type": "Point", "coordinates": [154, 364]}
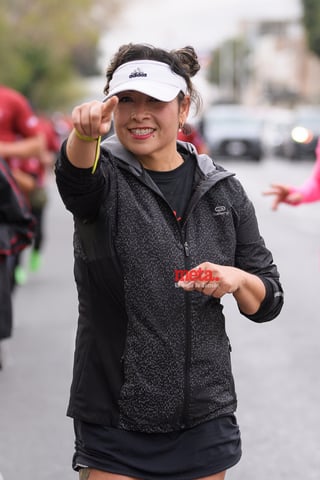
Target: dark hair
{"type": "Point", "coordinates": [183, 62]}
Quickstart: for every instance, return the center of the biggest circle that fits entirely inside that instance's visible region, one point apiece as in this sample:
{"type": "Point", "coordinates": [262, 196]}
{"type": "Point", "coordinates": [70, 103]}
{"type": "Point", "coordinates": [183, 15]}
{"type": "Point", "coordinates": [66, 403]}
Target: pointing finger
{"type": "Point", "coordinates": [109, 105]}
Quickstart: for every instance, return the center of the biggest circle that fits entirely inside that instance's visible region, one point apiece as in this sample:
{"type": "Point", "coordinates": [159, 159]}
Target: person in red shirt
{"type": "Point", "coordinates": [19, 126]}
{"type": "Point", "coordinates": [189, 133]}
{"type": "Point", "coordinates": [21, 136]}
{"type": "Point", "coordinates": [31, 175]}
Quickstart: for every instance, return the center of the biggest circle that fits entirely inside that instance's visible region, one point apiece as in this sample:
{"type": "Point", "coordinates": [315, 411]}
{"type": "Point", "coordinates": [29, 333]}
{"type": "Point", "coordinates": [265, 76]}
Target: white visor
{"type": "Point", "coordinates": [152, 78]}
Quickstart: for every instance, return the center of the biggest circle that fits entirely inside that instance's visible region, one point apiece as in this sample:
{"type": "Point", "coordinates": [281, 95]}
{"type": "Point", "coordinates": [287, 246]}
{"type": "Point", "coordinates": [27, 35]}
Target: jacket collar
{"type": "Point", "coordinates": [205, 164]}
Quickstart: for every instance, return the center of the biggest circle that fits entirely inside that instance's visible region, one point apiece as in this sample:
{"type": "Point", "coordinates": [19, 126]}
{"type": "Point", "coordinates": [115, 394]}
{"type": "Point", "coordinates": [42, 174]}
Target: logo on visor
{"type": "Point", "coordinates": [137, 73]}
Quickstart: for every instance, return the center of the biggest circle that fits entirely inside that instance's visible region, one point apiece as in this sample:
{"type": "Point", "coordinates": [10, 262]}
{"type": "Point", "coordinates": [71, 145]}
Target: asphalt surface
{"type": "Point", "coordinates": [275, 365]}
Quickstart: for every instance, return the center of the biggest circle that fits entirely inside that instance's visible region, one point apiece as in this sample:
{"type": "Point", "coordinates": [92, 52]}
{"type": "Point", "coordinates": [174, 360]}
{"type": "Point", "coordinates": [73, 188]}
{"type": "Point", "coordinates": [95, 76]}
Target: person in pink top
{"type": "Point", "coordinates": [308, 192]}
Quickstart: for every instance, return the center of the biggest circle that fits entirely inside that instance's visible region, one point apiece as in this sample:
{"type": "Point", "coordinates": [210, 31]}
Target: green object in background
{"type": "Point", "coordinates": [35, 260]}
{"type": "Point", "coordinates": [20, 275]}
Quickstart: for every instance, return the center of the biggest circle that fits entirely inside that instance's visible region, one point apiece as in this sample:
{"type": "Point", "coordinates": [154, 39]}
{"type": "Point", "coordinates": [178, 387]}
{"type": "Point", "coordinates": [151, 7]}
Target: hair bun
{"type": "Point", "coordinates": [188, 59]}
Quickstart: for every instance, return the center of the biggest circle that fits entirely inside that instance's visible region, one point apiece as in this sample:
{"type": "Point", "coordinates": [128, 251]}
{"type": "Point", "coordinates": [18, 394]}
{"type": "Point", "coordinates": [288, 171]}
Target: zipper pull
{"type": "Point", "coordinates": [186, 249]}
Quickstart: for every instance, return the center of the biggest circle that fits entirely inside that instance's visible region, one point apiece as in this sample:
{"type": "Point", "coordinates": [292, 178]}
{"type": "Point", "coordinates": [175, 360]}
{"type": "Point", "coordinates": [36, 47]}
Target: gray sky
{"type": "Point", "coordinates": [200, 23]}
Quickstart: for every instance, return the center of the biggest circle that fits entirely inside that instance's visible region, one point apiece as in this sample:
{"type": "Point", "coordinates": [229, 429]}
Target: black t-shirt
{"type": "Point", "coordinates": [176, 185]}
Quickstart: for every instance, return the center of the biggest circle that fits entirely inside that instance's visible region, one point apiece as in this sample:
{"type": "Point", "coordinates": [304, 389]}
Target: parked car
{"type": "Point", "coordinates": [233, 131]}
{"type": "Point", "coordinates": [276, 127]}
{"type": "Point", "coordinates": [302, 133]}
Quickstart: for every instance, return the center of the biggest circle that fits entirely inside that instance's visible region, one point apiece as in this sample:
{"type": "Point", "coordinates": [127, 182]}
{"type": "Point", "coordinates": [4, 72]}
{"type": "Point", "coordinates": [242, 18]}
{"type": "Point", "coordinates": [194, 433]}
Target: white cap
{"type": "Point", "coordinates": [152, 78]}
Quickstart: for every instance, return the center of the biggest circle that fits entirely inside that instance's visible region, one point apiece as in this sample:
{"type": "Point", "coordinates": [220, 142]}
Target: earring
{"type": "Point", "coordinates": [180, 126]}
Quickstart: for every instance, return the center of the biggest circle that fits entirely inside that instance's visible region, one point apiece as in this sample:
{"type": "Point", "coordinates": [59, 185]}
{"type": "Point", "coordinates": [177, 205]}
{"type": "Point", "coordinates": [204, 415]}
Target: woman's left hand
{"type": "Point", "coordinates": [212, 279]}
{"type": "Point", "coordinates": [217, 280]}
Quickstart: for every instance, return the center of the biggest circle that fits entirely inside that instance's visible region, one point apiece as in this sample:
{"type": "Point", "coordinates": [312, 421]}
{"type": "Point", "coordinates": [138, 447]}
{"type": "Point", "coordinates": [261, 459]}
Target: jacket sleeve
{"type": "Point", "coordinates": [272, 303]}
{"type": "Point", "coordinates": [81, 190]}
{"type": "Point", "coordinates": [254, 257]}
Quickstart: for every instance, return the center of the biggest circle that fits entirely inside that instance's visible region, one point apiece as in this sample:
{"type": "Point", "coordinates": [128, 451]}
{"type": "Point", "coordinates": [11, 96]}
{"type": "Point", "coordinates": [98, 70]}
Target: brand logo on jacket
{"type": "Point", "coordinates": [220, 210]}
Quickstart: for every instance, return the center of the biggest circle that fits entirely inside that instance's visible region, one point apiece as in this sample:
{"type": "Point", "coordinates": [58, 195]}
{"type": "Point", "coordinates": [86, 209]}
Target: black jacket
{"type": "Point", "coordinates": [149, 356]}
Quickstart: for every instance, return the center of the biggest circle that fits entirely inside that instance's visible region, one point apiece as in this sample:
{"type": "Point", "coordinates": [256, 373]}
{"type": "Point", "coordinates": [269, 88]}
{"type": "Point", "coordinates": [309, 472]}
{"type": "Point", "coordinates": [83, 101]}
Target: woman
{"type": "Point", "coordinates": [161, 235]}
{"type": "Point", "coordinates": [308, 192]}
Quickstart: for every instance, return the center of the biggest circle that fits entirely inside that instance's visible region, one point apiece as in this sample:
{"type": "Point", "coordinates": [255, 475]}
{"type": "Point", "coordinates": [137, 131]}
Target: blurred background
{"type": "Point", "coordinates": [261, 119]}
{"type": "Point", "coordinates": [268, 59]}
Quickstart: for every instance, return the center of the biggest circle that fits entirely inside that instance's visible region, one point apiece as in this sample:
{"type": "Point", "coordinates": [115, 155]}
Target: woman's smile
{"type": "Point", "coordinates": [141, 133]}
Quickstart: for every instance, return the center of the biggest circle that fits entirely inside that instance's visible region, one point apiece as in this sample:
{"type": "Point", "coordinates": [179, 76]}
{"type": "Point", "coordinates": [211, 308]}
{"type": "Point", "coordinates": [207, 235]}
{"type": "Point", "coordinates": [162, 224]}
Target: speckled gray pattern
{"type": "Point", "coordinates": [162, 389]}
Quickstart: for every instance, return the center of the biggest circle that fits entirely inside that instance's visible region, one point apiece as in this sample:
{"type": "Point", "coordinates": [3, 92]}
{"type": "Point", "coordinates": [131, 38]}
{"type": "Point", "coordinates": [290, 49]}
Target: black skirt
{"type": "Point", "coordinates": [204, 450]}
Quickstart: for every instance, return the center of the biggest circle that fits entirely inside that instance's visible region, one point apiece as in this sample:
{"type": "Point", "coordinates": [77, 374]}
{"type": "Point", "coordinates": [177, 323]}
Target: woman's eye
{"type": "Point", "coordinates": [125, 99]}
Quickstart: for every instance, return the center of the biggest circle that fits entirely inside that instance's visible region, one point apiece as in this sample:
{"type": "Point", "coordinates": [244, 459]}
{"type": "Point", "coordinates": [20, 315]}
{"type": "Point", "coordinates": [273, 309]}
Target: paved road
{"type": "Point", "coordinates": [275, 364]}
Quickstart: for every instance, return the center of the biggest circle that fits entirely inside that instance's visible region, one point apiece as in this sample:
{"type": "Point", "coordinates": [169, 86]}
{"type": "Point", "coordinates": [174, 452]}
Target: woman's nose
{"type": "Point", "coordinates": [139, 111]}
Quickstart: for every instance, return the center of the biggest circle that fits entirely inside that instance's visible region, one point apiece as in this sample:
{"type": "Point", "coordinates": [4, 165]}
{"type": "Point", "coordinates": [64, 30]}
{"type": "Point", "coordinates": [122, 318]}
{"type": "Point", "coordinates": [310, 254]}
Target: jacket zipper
{"type": "Point", "coordinates": [185, 408]}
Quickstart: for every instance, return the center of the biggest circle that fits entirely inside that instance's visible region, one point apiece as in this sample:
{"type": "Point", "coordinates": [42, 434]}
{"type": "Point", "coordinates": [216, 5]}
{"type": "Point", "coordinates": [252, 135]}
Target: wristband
{"type": "Point", "coordinates": [97, 155]}
{"type": "Point", "coordinates": [85, 138]}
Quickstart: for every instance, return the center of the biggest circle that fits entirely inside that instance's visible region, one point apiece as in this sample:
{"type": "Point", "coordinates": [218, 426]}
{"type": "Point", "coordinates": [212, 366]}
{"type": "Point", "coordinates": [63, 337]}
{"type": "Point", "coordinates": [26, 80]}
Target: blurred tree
{"type": "Point", "coordinates": [311, 21]}
{"type": "Point", "coordinates": [47, 46]}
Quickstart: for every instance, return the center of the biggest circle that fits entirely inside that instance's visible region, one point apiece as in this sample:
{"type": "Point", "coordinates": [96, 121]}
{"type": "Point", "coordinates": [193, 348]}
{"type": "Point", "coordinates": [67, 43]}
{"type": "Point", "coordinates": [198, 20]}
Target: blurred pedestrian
{"type": "Point", "coordinates": [190, 133]}
{"type": "Point", "coordinates": [153, 393]}
{"type": "Point", "coordinates": [31, 175]}
{"type": "Point", "coordinates": [20, 138]}
{"type": "Point", "coordinates": [16, 232]}
{"type": "Point", "coordinates": [308, 192]}
{"type": "Point", "coordinates": [19, 126]}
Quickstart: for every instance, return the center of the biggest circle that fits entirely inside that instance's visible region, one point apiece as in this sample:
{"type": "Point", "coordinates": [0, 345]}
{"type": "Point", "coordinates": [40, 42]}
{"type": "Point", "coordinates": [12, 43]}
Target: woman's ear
{"type": "Point", "coordinates": [184, 109]}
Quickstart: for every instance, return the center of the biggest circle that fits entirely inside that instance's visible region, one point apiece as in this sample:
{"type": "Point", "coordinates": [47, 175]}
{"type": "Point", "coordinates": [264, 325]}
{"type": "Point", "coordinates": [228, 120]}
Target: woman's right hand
{"type": "Point", "coordinates": [91, 120]}
{"type": "Point", "coordinates": [94, 119]}
{"type": "Point", "coordinates": [283, 194]}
